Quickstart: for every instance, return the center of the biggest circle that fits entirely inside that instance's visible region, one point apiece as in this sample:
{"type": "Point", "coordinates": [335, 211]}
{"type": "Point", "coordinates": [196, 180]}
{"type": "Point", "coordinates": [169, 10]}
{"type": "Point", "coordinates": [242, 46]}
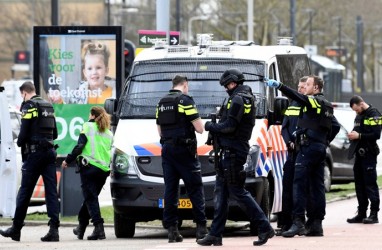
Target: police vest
{"type": "Point", "coordinates": [97, 148]}
{"type": "Point", "coordinates": [319, 118]}
{"type": "Point", "coordinates": [171, 120]}
{"type": "Point", "coordinates": [46, 121]}
{"type": "Point", "coordinates": [244, 129]}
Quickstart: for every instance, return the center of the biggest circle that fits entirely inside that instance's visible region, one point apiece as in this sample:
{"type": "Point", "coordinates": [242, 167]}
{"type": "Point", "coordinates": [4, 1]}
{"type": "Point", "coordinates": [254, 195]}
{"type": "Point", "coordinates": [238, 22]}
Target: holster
{"type": "Point", "coordinates": [81, 163]}
{"type": "Point", "coordinates": [233, 174]}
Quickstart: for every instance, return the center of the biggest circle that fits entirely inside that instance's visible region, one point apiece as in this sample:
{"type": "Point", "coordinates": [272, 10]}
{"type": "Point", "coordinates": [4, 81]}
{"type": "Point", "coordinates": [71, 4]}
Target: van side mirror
{"type": "Point", "coordinates": [110, 106]}
{"type": "Point", "coordinates": [281, 104]}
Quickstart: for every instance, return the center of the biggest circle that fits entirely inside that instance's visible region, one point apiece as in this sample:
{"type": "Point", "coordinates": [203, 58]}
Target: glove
{"type": "Point", "coordinates": [208, 125]}
{"type": "Point", "coordinates": [210, 139]}
{"type": "Point", "coordinates": [272, 83]}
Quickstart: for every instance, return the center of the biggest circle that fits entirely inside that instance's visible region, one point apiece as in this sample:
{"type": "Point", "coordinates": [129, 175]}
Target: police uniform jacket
{"type": "Point", "coordinates": [238, 116]}
{"type": "Point", "coordinates": [289, 125]}
{"type": "Point", "coordinates": [316, 119]}
{"type": "Point", "coordinates": [368, 124]}
{"type": "Point", "coordinates": [32, 128]}
{"type": "Point", "coordinates": [175, 114]}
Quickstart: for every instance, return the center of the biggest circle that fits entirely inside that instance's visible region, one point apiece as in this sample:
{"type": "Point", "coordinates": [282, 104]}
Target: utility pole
{"type": "Point", "coordinates": [177, 15]}
{"type": "Point", "coordinates": [163, 17]}
{"type": "Point", "coordinates": [359, 27]}
{"type": "Point", "coordinates": [55, 13]}
{"type": "Point", "coordinates": [292, 20]}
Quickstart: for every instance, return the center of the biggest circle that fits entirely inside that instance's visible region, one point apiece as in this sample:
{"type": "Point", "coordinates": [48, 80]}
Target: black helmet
{"type": "Point", "coordinates": [232, 75]}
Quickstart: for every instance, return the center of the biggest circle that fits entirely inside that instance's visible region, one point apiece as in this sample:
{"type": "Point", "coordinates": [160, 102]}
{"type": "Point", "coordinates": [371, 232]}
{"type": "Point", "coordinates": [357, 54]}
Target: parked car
{"type": "Point", "coordinates": [338, 168]}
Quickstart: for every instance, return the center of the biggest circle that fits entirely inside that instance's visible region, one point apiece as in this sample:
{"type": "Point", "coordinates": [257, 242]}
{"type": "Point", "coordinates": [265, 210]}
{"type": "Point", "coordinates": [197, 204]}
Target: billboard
{"type": "Point", "coordinates": [76, 67]}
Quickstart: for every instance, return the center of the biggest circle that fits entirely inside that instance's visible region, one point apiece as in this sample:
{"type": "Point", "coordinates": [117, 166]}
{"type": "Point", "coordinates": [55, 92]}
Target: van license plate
{"type": "Point", "coordinates": [183, 203]}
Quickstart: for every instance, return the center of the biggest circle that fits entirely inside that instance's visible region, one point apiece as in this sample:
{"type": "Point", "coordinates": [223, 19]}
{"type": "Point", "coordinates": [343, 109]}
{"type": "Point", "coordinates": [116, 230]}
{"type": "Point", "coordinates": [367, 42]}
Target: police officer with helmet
{"type": "Point", "coordinates": [366, 132]}
{"type": "Point", "coordinates": [317, 127]}
{"type": "Point", "coordinates": [37, 132]}
{"type": "Point", "coordinates": [233, 131]}
{"type": "Point", "coordinates": [177, 120]}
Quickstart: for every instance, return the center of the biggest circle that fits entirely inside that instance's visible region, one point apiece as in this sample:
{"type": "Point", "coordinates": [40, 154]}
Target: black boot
{"type": "Point", "coordinates": [358, 218]}
{"type": "Point", "coordinates": [263, 237]}
{"type": "Point", "coordinates": [297, 228]}
{"type": "Point", "coordinates": [174, 235]}
{"type": "Point", "coordinates": [52, 234]}
{"type": "Point", "coordinates": [13, 232]}
{"type": "Point", "coordinates": [80, 231]}
{"type": "Point", "coordinates": [372, 219]}
{"type": "Point", "coordinates": [201, 231]}
{"type": "Point", "coordinates": [210, 240]}
{"type": "Point", "coordinates": [315, 228]}
{"type": "Point", "coordinates": [98, 233]}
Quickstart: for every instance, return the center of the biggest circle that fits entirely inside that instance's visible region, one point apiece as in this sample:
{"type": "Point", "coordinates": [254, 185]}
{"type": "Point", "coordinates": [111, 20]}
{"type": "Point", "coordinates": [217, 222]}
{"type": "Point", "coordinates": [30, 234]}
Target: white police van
{"type": "Point", "coordinates": [137, 185]}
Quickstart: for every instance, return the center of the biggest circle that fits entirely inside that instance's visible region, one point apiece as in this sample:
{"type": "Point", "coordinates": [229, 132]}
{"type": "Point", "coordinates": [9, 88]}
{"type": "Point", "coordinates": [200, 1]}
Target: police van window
{"type": "Point", "coordinates": [292, 68]}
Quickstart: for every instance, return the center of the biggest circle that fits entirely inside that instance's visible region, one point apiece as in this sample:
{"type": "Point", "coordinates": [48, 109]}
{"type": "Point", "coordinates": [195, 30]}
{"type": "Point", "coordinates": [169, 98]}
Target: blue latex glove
{"type": "Point", "coordinates": [272, 83]}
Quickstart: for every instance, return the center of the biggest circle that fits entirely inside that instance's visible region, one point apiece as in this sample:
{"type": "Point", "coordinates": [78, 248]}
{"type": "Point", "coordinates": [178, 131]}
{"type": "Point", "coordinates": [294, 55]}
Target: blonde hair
{"type": "Point", "coordinates": [101, 118]}
{"type": "Point", "coordinates": [97, 48]}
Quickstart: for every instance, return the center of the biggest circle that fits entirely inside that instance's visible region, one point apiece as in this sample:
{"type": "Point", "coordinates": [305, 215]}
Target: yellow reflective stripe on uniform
{"type": "Point", "coordinates": [373, 122]}
{"type": "Point", "coordinates": [292, 111]}
{"type": "Point", "coordinates": [314, 104]}
{"type": "Point", "coordinates": [188, 110]}
{"type": "Point", "coordinates": [247, 108]}
{"type": "Point", "coordinates": [229, 104]}
{"type": "Point", "coordinates": [33, 112]}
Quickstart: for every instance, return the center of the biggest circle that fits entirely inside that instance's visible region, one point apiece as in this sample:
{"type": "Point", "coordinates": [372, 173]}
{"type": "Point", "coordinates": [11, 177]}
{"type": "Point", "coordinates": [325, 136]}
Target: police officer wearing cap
{"type": "Point", "coordinates": [233, 131]}
{"type": "Point", "coordinates": [177, 120]}
{"type": "Point", "coordinates": [366, 132]}
{"type": "Point", "coordinates": [317, 126]}
{"type": "Point", "coordinates": [37, 132]}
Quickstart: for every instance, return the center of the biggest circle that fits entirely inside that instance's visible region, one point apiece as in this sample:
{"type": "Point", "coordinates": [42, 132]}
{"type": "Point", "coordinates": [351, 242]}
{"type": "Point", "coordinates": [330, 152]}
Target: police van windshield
{"type": "Point", "coordinates": [151, 80]}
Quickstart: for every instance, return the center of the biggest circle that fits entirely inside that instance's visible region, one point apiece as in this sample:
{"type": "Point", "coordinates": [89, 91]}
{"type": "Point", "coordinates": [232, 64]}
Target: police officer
{"type": "Point", "coordinates": [233, 133]}
{"type": "Point", "coordinates": [92, 153]}
{"type": "Point", "coordinates": [366, 132]}
{"type": "Point", "coordinates": [177, 120]}
{"type": "Point", "coordinates": [288, 132]}
{"type": "Point", "coordinates": [37, 132]}
{"type": "Point", "coordinates": [317, 126]}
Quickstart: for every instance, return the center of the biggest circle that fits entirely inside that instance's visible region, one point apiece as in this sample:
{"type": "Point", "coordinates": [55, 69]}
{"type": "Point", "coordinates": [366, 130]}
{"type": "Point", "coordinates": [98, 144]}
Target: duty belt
{"type": "Point", "coordinates": [178, 141]}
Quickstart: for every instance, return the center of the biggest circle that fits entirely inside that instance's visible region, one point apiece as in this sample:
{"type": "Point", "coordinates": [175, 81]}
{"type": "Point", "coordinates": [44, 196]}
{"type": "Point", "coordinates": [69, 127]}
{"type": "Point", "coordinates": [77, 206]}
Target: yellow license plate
{"type": "Point", "coordinates": [183, 203]}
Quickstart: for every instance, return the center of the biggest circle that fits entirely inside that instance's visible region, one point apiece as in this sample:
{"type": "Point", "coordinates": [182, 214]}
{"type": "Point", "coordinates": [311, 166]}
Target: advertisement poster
{"type": "Point", "coordinates": [76, 68]}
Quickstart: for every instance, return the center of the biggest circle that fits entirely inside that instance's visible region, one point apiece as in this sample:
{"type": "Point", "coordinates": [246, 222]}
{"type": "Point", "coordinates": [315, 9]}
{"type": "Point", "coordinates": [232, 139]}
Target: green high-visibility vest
{"type": "Point", "coordinates": [97, 149]}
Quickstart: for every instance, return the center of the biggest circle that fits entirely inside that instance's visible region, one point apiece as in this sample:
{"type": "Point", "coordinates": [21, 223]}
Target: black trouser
{"type": "Point", "coordinates": [92, 181]}
{"type": "Point", "coordinates": [365, 178]}
{"type": "Point", "coordinates": [287, 194]}
{"type": "Point", "coordinates": [40, 162]}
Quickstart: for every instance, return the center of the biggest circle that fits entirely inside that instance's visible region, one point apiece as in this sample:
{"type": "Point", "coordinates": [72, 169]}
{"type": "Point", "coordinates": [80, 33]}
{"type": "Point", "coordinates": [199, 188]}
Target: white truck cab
{"type": "Point", "coordinates": [137, 185]}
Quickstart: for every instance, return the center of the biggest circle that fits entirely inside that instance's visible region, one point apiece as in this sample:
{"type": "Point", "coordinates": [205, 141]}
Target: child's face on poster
{"type": "Point", "coordinates": [95, 71]}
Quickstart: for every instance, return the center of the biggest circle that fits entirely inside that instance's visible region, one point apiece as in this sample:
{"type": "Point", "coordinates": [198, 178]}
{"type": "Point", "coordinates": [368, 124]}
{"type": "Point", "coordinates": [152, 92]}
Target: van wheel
{"type": "Point", "coordinates": [264, 205]}
{"type": "Point", "coordinates": [123, 227]}
{"type": "Point", "coordinates": [327, 177]}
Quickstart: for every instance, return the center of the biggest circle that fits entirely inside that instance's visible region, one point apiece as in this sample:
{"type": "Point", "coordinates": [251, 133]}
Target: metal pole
{"type": "Point", "coordinates": [55, 13]}
{"type": "Point", "coordinates": [310, 27]}
{"type": "Point", "coordinates": [108, 12]}
{"type": "Point", "coordinates": [250, 20]}
{"type": "Point", "coordinates": [163, 17]}
{"type": "Point", "coordinates": [292, 20]}
{"type": "Point", "coordinates": [359, 26]}
{"type": "Point", "coordinates": [177, 15]}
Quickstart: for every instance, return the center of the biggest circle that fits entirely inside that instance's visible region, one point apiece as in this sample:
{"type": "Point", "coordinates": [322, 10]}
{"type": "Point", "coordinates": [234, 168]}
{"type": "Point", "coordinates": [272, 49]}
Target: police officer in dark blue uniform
{"type": "Point", "coordinates": [317, 126]}
{"type": "Point", "coordinates": [37, 132]}
{"type": "Point", "coordinates": [366, 132]}
{"type": "Point", "coordinates": [177, 120]}
{"type": "Point", "coordinates": [288, 132]}
{"type": "Point", "coordinates": [237, 119]}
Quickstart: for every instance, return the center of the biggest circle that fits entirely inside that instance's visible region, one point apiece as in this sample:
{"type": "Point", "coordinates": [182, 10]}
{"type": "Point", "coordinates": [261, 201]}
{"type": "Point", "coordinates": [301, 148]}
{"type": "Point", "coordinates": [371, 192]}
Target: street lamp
{"type": "Point", "coordinates": [190, 25]}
